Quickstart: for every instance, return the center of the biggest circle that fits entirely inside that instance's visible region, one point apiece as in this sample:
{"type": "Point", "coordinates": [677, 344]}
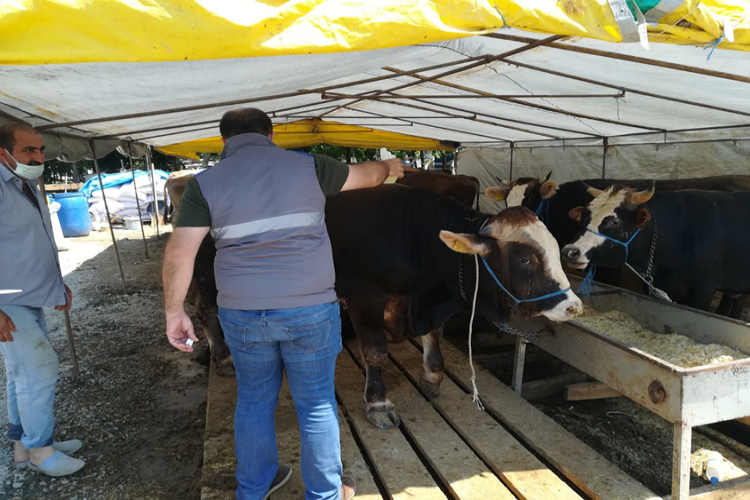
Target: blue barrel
{"type": "Point", "coordinates": [73, 214]}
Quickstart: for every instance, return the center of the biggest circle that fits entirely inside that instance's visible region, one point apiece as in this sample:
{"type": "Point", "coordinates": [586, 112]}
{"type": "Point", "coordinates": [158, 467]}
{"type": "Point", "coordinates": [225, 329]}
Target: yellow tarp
{"type": "Point", "coordinates": [308, 132]}
{"type": "Point", "coordinates": [77, 31]}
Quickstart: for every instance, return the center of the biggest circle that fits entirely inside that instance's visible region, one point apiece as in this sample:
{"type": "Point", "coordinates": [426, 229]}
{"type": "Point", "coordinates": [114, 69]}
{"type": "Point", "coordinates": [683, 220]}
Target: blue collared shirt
{"type": "Point", "coordinates": [28, 253]}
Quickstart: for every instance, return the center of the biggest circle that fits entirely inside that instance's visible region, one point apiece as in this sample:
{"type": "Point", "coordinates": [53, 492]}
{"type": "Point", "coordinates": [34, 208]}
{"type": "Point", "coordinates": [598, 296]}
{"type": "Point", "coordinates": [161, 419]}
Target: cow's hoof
{"type": "Point", "coordinates": [432, 389]}
{"type": "Point", "coordinates": [383, 417]}
{"type": "Point", "coordinates": [225, 370]}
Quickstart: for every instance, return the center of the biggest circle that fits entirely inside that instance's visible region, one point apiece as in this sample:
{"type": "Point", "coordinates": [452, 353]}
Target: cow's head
{"type": "Point", "coordinates": [617, 213]}
{"type": "Point", "coordinates": [526, 191]}
{"type": "Point", "coordinates": [525, 258]}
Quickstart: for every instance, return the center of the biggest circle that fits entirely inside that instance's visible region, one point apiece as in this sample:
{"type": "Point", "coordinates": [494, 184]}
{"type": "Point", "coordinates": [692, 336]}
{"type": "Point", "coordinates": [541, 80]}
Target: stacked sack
{"type": "Point", "coordinates": [121, 199]}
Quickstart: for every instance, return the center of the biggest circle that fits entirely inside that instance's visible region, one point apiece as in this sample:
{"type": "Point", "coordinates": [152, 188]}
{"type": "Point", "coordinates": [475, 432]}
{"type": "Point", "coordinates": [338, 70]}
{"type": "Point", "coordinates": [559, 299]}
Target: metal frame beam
{"type": "Point", "coordinates": [337, 96]}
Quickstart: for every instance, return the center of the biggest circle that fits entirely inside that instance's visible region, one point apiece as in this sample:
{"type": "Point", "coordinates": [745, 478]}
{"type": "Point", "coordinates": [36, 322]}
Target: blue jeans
{"type": "Point", "coordinates": [305, 342]}
{"type": "Point", "coordinates": [32, 369]}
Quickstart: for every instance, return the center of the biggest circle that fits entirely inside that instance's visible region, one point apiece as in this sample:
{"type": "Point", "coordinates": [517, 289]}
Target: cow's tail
{"type": "Point", "coordinates": [167, 204]}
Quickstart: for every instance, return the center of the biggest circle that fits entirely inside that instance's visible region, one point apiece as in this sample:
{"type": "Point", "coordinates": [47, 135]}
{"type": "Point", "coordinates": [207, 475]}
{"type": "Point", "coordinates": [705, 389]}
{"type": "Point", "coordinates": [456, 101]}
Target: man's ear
{"type": "Point", "coordinates": [6, 159]}
{"type": "Point", "coordinates": [575, 214]}
{"type": "Point", "coordinates": [548, 189]}
{"type": "Point", "coordinates": [642, 216]}
{"type": "Point", "coordinates": [497, 193]}
{"type": "Point", "coordinates": [465, 243]}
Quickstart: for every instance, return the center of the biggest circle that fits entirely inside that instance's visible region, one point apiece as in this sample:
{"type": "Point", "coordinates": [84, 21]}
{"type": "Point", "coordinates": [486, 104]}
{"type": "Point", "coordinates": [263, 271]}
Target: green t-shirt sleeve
{"type": "Point", "coordinates": [193, 207]}
{"type": "Point", "coordinates": [332, 174]}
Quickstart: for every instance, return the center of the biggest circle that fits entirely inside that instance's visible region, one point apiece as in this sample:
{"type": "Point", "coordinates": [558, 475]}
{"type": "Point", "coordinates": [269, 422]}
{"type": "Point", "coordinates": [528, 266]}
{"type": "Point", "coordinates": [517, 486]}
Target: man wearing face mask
{"type": "Point", "coordinates": [30, 279]}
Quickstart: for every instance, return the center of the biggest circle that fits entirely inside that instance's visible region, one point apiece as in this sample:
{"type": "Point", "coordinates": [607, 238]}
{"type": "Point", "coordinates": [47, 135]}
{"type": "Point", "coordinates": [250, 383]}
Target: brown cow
{"type": "Point", "coordinates": [462, 188]}
{"type": "Point", "coordinates": [202, 292]}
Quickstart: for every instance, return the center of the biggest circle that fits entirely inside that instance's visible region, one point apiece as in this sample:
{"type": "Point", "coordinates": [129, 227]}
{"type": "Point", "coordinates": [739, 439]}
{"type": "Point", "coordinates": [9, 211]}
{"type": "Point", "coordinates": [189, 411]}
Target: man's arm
{"type": "Point", "coordinates": [372, 173]}
{"type": "Point", "coordinates": [177, 271]}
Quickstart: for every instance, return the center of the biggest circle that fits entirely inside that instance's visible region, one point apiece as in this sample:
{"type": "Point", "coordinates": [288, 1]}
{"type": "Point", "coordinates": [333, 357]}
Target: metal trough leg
{"type": "Point", "coordinates": [681, 461]}
{"type": "Point", "coordinates": [518, 362]}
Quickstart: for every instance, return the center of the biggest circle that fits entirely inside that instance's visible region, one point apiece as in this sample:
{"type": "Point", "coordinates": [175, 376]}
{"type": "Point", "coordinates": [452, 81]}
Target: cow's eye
{"type": "Point", "coordinates": [524, 261]}
{"type": "Point", "coordinates": [614, 222]}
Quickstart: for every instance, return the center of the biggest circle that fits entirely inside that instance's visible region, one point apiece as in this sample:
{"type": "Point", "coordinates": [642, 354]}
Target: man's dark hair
{"type": "Point", "coordinates": [8, 134]}
{"type": "Point", "coordinates": [245, 121]}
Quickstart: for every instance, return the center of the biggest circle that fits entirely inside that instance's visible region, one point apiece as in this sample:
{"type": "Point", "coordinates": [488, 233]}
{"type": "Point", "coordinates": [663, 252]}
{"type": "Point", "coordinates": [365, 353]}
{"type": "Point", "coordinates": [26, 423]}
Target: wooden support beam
{"type": "Point", "coordinates": [552, 386]}
{"type": "Point", "coordinates": [589, 390]}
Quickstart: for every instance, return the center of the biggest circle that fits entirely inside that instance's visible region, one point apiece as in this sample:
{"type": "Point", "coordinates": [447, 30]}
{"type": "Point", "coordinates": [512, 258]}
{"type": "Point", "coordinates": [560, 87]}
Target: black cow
{"type": "Point", "coordinates": [559, 200]}
{"type": "Point", "coordinates": [397, 254]}
{"type": "Point", "coordinates": [702, 241]}
{"type": "Point", "coordinates": [463, 188]}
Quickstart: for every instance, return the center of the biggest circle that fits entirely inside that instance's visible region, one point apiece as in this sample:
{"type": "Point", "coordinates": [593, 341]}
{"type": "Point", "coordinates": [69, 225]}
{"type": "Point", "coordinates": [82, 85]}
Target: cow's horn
{"type": "Point", "coordinates": [507, 183]}
{"type": "Point", "coordinates": [547, 178]}
{"type": "Point", "coordinates": [592, 190]}
{"type": "Point", "coordinates": [641, 197]}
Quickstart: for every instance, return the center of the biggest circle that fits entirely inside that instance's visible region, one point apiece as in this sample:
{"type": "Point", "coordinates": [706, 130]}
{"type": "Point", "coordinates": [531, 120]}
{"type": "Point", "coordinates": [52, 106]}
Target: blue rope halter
{"type": "Point", "coordinates": [517, 300]}
{"type": "Point", "coordinates": [623, 243]}
{"type": "Point", "coordinates": [542, 209]}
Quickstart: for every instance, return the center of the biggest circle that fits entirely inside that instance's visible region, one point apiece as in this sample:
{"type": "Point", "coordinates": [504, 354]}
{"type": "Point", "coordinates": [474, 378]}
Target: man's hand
{"type": "Point", "coordinates": [6, 327]}
{"type": "Point", "coordinates": [395, 168]}
{"type": "Point", "coordinates": [179, 329]}
{"type": "Point", "coordinates": [69, 300]}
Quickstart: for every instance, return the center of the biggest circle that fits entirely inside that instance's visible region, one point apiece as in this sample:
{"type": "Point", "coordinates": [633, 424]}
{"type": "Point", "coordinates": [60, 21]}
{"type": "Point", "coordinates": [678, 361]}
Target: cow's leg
{"type": "Point", "coordinates": [738, 309]}
{"type": "Point", "coordinates": [220, 353]}
{"type": "Point", "coordinates": [726, 305]}
{"type": "Point", "coordinates": [432, 363]}
{"type": "Point", "coordinates": [702, 295]}
{"type": "Point", "coordinates": [367, 318]}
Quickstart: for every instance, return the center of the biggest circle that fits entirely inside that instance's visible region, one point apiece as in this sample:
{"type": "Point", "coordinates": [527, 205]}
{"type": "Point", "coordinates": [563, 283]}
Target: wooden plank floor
{"type": "Point", "coordinates": [445, 449]}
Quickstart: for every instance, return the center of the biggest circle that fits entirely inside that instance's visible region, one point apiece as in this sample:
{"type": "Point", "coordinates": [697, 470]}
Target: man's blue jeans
{"type": "Point", "coordinates": [32, 370]}
{"type": "Point", "coordinates": [305, 342]}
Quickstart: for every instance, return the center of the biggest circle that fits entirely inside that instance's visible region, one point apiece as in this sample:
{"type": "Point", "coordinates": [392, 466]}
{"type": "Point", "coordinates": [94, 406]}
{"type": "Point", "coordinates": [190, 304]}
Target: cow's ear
{"type": "Point", "coordinates": [497, 193]}
{"type": "Point", "coordinates": [465, 243]}
{"type": "Point", "coordinates": [575, 214]}
{"type": "Point", "coordinates": [549, 189]}
{"type": "Point", "coordinates": [642, 216]}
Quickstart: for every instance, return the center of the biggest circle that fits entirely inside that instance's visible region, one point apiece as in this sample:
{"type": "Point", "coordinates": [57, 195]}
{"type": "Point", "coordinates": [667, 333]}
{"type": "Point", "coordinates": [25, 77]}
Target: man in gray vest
{"type": "Point", "coordinates": [30, 279]}
{"type": "Point", "coordinates": [274, 273]}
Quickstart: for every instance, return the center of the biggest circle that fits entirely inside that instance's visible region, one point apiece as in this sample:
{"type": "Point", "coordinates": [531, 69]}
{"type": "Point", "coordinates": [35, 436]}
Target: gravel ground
{"type": "Point", "coordinates": [139, 404]}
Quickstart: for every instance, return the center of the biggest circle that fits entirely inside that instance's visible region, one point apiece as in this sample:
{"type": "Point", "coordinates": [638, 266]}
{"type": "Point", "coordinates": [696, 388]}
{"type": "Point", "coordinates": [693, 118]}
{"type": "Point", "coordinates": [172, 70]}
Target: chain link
{"type": "Point", "coordinates": [650, 266]}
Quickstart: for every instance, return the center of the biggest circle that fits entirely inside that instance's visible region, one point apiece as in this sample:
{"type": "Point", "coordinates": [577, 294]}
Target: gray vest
{"type": "Point", "coordinates": [268, 222]}
{"type": "Point", "coordinates": [28, 254]}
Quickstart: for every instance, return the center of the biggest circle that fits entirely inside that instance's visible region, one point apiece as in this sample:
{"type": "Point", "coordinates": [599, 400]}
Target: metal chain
{"type": "Point", "coordinates": [650, 266]}
{"type": "Point", "coordinates": [461, 277]}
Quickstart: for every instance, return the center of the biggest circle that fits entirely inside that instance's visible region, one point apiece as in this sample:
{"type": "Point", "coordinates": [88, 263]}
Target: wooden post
{"type": "Point", "coordinates": [71, 347]}
{"type": "Point", "coordinates": [681, 461]}
{"type": "Point", "coordinates": [150, 166]}
{"type": "Point", "coordinates": [109, 217]}
{"type": "Point", "coordinates": [520, 359]}
{"type": "Point", "coordinates": [137, 201]}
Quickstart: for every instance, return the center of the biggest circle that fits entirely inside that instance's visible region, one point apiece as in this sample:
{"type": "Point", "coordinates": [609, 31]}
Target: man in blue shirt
{"type": "Point", "coordinates": [30, 279]}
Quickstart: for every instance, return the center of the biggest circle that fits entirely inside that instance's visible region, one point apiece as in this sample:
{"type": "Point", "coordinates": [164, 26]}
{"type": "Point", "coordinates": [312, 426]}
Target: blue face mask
{"type": "Point", "coordinates": [27, 172]}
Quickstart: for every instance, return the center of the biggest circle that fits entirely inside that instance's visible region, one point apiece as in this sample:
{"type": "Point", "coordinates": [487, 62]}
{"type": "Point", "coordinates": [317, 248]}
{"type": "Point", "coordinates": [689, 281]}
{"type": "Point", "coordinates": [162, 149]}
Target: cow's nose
{"type": "Point", "coordinates": [571, 253]}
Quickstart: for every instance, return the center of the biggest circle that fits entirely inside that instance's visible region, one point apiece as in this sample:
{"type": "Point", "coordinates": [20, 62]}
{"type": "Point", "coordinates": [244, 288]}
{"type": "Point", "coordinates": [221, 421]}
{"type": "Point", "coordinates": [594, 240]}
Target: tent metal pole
{"type": "Point", "coordinates": [626, 89]}
{"type": "Point", "coordinates": [339, 96]}
{"type": "Point", "coordinates": [153, 191]}
{"type": "Point", "coordinates": [109, 217]}
{"type": "Point", "coordinates": [258, 99]}
{"type": "Point", "coordinates": [485, 60]}
{"type": "Point", "coordinates": [623, 57]}
{"type": "Point", "coordinates": [137, 201]}
{"type": "Point", "coordinates": [512, 147]}
{"type": "Point", "coordinates": [604, 158]}
{"type": "Point", "coordinates": [434, 126]}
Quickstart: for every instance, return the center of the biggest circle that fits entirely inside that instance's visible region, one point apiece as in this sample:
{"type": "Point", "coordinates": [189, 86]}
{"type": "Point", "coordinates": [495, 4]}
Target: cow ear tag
{"type": "Point", "coordinates": [499, 196]}
{"type": "Point", "coordinates": [460, 246]}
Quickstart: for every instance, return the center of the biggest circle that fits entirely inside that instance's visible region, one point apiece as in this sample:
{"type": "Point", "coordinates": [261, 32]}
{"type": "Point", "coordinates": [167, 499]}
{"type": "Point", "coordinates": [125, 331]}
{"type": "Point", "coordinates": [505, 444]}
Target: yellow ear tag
{"type": "Point", "coordinates": [459, 246]}
{"type": "Point", "coordinates": [499, 196]}
{"type": "Point", "coordinates": [578, 219]}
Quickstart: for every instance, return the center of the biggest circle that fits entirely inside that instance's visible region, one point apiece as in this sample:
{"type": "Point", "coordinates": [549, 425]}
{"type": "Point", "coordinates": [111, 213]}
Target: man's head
{"type": "Point", "coordinates": [245, 121]}
{"type": "Point", "coordinates": [20, 143]}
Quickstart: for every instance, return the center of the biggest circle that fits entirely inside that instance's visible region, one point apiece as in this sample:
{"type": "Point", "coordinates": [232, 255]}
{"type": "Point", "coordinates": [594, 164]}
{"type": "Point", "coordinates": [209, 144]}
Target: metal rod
{"type": "Point", "coordinates": [71, 347]}
{"type": "Point", "coordinates": [604, 158]}
{"type": "Point", "coordinates": [681, 461]}
{"type": "Point", "coordinates": [626, 89]}
{"type": "Point", "coordinates": [443, 128]}
{"type": "Point", "coordinates": [483, 96]}
{"type": "Point", "coordinates": [249, 100]}
{"type": "Point", "coordinates": [622, 57]}
{"type": "Point", "coordinates": [137, 201]}
{"type": "Point", "coordinates": [524, 143]}
{"type": "Point", "coordinates": [153, 190]}
{"type": "Point", "coordinates": [478, 120]}
{"type": "Point", "coordinates": [519, 360]}
{"type": "Point", "coordinates": [109, 217]}
{"type": "Point", "coordinates": [512, 147]}
{"type": "Point", "coordinates": [483, 61]}
{"type": "Point", "coordinates": [480, 92]}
